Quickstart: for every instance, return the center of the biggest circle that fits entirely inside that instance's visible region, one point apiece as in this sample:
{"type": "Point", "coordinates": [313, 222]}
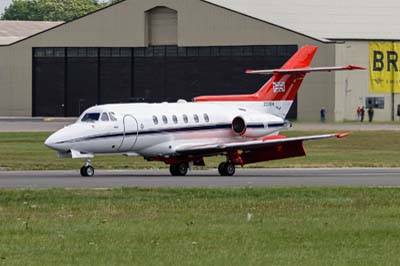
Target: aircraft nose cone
{"type": "Point", "coordinates": [50, 143]}
{"type": "Point", "coordinates": [59, 140]}
{"type": "Point", "coordinates": [55, 141]}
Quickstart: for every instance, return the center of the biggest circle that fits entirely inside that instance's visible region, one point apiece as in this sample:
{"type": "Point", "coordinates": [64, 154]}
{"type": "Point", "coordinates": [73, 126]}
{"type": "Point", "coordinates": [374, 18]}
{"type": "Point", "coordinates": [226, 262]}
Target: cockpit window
{"type": "Point", "coordinates": [104, 117]}
{"type": "Point", "coordinates": [112, 116]}
{"type": "Point", "coordinates": [89, 117]}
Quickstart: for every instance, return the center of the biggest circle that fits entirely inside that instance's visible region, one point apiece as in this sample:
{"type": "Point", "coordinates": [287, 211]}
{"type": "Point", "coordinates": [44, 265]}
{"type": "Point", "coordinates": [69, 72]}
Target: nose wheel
{"type": "Point", "coordinates": [87, 169]}
{"type": "Point", "coordinates": [226, 169]}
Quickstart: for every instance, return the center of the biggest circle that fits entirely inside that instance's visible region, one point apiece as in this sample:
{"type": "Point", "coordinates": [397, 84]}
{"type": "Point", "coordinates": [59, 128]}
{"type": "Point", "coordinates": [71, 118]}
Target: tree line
{"type": "Point", "coordinates": [52, 10]}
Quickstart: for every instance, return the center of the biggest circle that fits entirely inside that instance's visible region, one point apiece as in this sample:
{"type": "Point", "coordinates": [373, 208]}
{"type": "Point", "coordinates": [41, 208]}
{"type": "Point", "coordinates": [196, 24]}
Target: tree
{"type": "Point", "coordinates": [50, 10]}
{"type": "Point", "coordinates": [21, 10]}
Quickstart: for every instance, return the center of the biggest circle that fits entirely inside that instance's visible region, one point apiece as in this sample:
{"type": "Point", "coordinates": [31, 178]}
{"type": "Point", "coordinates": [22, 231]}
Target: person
{"type": "Point", "coordinates": [322, 114]}
{"type": "Point", "coordinates": [362, 114]}
{"type": "Point", "coordinates": [358, 113]}
{"type": "Point", "coordinates": [370, 114]}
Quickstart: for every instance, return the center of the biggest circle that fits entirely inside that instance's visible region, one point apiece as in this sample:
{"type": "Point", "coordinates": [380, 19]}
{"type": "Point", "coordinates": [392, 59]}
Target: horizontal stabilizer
{"type": "Point", "coordinates": [303, 70]}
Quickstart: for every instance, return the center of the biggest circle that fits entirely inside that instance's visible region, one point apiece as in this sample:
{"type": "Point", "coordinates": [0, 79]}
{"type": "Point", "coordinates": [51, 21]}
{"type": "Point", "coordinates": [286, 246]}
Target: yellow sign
{"type": "Point", "coordinates": [384, 67]}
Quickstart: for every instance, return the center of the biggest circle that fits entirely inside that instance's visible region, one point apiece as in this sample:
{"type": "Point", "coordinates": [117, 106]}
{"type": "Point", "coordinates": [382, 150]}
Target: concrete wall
{"type": "Point", "coordinates": [199, 24]}
{"type": "Point", "coordinates": [5, 75]}
{"type": "Point", "coordinates": [352, 87]}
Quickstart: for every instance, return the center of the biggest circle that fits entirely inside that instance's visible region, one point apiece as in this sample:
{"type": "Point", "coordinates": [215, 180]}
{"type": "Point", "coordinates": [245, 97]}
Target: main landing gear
{"type": "Point", "coordinates": [226, 169]}
{"type": "Point", "coordinates": [87, 169]}
{"type": "Point", "coordinates": [181, 169]}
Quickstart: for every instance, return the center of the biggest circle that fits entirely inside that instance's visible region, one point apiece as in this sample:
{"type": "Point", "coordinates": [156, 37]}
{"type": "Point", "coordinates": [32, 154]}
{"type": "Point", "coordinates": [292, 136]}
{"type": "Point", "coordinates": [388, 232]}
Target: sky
{"type": "Point", "coordinates": [4, 4]}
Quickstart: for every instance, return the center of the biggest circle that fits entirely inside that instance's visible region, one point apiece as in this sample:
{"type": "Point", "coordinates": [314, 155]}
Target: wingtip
{"type": "Point", "coordinates": [343, 135]}
{"type": "Point", "coordinates": [353, 67]}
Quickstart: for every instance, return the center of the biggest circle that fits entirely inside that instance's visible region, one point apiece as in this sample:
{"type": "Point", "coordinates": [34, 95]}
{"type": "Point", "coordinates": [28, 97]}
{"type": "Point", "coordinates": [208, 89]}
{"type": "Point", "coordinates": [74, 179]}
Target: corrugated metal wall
{"type": "Point", "coordinates": [69, 80]}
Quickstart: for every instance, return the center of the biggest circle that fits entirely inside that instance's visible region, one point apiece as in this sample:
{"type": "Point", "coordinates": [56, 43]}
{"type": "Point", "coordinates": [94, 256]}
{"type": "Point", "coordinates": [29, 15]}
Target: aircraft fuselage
{"type": "Point", "coordinates": [154, 130]}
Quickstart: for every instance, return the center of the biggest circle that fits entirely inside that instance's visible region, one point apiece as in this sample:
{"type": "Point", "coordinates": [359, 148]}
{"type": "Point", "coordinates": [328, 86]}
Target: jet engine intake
{"type": "Point", "coordinates": [239, 126]}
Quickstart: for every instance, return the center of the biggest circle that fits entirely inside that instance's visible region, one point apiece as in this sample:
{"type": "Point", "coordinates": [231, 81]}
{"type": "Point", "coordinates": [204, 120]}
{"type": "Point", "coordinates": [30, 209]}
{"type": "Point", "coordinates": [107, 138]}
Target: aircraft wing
{"type": "Point", "coordinates": [262, 144]}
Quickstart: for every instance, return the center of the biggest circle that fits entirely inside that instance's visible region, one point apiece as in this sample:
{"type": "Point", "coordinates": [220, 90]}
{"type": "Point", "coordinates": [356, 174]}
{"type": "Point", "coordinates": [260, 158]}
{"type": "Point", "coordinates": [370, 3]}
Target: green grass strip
{"type": "Point", "coordinates": [25, 151]}
{"type": "Point", "coordinates": [287, 226]}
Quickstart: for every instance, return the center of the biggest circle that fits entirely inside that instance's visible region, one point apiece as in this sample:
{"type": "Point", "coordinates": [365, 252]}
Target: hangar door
{"type": "Point", "coordinates": [66, 81]}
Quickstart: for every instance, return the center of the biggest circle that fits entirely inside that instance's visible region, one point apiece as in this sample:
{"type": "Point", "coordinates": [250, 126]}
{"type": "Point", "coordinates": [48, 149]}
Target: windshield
{"type": "Point", "coordinates": [89, 117]}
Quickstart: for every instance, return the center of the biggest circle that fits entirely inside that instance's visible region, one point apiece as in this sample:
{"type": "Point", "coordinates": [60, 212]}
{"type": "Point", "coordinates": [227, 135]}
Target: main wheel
{"type": "Point", "coordinates": [179, 169]}
{"type": "Point", "coordinates": [230, 169]}
{"type": "Point", "coordinates": [226, 169]}
{"type": "Point", "coordinates": [221, 168]}
{"type": "Point", "coordinates": [87, 171]}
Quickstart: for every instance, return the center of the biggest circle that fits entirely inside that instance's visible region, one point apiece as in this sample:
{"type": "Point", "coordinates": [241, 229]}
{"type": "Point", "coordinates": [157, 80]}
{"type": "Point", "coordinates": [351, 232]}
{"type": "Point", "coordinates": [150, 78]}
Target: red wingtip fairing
{"type": "Point", "coordinates": [343, 135]}
{"type": "Point", "coordinates": [352, 67]}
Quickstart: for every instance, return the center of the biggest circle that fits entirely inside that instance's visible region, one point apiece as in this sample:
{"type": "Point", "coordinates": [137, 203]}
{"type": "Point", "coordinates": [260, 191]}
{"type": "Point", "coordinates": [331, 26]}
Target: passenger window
{"type": "Point", "coordinates": [104, 117]}
{"type": "Point", "coordinates": [185, 119]}
{"type": "Point", "coordinates": [206, 118]}
{"type": "Point", "coordinates": [155, 120]}
{"type": "Point", "coordinates": [112, 116]}
{"type": "Point", "coordinates": [175, 119]}
{"type": "Point", "coordinates": [196, 118]}
{"type": "Point", "coordinates": [164, 119]}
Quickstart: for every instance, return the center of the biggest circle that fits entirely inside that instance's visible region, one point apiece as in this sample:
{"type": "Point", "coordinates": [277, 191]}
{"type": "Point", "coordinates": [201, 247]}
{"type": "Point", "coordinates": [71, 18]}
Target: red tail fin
{"type": "Point", "coordinates": [281, 86]}
{"type": "Point", "coordinates": [284, 86]}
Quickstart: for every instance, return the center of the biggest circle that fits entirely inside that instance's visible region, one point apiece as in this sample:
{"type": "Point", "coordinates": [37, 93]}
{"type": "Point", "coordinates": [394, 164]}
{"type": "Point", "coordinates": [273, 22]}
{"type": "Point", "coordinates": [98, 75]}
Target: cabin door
{"type": "Point", "coordinates": [131, 131]}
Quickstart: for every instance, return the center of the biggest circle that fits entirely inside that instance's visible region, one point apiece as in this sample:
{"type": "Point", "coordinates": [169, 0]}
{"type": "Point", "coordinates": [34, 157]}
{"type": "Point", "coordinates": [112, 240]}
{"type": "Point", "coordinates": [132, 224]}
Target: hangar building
{"type": "Point", "coordinates": [158, 50]}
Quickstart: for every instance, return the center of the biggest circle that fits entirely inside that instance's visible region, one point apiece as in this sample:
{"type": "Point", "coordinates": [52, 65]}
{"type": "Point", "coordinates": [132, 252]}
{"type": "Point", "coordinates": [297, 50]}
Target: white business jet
{"type": "Point", "coordinates": [244, 128]}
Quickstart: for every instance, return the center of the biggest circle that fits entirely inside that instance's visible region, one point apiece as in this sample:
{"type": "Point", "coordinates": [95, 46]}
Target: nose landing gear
{"type": "Point", "coordinates": [87, 169]}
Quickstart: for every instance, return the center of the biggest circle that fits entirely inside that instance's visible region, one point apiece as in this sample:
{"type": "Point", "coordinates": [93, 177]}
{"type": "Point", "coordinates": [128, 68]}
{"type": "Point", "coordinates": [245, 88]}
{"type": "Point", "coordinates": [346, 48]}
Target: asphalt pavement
{"type": "Point", "coordinates": [208, 178]}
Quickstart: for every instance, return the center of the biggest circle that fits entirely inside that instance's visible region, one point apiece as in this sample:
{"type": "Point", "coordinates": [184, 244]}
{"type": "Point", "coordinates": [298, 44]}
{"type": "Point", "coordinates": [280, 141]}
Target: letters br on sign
{"type": "Point", "coordinates": [384, 67]}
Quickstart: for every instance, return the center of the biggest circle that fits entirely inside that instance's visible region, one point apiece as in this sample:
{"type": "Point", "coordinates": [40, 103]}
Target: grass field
{"type": "Point", "coordinates": [288, 226]}
{"type": "Point", "coordinates": [25, 151]}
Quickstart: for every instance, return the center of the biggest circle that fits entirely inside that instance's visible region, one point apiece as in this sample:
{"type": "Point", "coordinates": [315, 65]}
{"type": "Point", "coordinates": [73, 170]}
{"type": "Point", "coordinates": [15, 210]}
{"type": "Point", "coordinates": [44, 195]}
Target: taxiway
{"type": "Point", "coordinates": [207, 178]}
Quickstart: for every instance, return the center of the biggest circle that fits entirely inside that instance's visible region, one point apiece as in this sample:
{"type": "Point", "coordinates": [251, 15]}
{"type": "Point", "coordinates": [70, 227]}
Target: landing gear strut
{"type": "Point", "coordinates": [226, 169]}
{"type": "Point", "coordinates": [179, 169]}
{"type": "Point", "coordinates": [87, 169]}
